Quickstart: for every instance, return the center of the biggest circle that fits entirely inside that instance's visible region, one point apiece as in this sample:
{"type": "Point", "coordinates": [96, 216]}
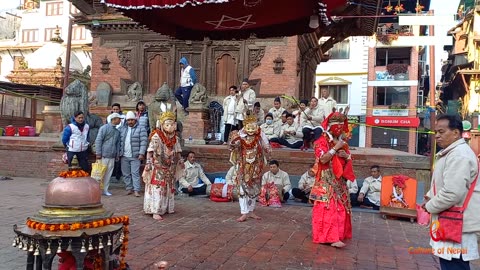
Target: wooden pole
{"type": "Point", "coordinates": [431, 50]}
{"type": "Point", "coordinates": [66, 76]}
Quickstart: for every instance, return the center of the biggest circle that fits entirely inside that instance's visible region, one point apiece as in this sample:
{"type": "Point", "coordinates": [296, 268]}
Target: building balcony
{"type": "Point", "coordinates": [392, 72]}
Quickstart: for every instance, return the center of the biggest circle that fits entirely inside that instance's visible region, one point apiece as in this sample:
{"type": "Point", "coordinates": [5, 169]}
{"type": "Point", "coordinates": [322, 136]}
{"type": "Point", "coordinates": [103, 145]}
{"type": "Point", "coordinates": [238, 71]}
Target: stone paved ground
{"type": "Point", "coordinates": [204, 235]}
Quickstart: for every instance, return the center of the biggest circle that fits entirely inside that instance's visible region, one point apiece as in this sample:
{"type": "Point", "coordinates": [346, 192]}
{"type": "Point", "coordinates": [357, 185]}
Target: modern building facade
{"type": "Point", "coordinates": [34, 24]}
{"type": "Point", "coordinates": [345, 75]}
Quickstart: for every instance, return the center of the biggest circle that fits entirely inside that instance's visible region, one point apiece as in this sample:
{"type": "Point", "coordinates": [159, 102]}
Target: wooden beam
{"type": "Point", "coordinates": [83, 6]}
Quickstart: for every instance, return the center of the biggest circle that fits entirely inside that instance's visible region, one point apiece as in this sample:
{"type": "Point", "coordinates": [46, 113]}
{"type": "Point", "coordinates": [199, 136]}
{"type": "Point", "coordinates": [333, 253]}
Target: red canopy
{"type": "Point", "coordinates": [227, 19]}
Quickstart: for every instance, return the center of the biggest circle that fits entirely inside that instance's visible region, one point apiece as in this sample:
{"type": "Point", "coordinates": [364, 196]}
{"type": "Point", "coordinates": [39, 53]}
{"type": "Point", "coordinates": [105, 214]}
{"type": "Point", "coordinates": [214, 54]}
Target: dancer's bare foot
{"type": "Point", "coordinates": [157, 217]}
{"type": "Point", "coordinates": [338, 244]}
{"type": "Point", "coordinates": [252, 215]}
{"type": "Point", "coordinates": [242, 218]}
{"type": "Point", "coordinates": [161, 265]}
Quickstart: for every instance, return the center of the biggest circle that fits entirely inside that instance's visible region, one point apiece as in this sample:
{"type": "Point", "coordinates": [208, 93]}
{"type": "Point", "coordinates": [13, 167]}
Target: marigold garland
{"type": "Point", "coordinates": [169, 142]}
{"type": "Point", "coordinates": [93, 224]}
{"type": "Point", "coordinates": [74, 174]}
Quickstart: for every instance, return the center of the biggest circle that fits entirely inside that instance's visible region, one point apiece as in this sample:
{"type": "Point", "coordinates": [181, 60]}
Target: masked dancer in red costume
{"type": "Point", "coordinates": [250, 151]}
{"type": "Point", "coordinates": [331, 214]}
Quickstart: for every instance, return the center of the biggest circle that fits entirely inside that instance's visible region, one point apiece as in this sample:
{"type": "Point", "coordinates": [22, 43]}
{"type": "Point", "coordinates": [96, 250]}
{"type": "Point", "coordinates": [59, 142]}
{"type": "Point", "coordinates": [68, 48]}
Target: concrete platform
{"type": "Point", "coordinates": [204, 235]}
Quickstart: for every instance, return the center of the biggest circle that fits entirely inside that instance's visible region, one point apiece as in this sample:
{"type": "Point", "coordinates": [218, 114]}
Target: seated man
{"type": "Point", "coordinates": [270, 128]}
{"type": "Point", "coordinates": [189, 182]}
{"type": "Point", "coordinates": [275, 186]}
{"type": "Point", "coordinates": [353, 191]}
{"type": "Point", "coordinates": [290, 135]}
{"type": "Point", "coordinates": [304, 186]}
{"type": "Point", "coordinates": [371, 188]}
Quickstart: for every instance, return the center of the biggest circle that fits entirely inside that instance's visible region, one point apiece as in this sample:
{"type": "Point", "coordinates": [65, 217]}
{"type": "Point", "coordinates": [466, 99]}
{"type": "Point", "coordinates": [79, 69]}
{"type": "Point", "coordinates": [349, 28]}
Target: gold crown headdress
{"type": "Point", "coordinates": [167, 116]}
{"type": "Point", "coordinates": [249, 119]}
{"type": "Point", "coordinates": [337, 117]}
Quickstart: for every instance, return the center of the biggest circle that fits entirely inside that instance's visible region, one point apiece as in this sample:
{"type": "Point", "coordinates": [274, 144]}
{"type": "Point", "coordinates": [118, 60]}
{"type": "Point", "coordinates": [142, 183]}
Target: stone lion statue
{"type": "Point", "coordinates": [74, 99]}
{"type": "Point", "coordinates": [134, 92]}
{"type": "Point", "coordinates": [198, 94]}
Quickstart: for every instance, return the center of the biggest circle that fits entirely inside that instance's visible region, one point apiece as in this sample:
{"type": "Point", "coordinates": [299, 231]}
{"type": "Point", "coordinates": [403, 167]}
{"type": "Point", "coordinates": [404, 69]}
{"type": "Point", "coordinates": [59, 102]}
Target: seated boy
{"type": "Point", "coordinates": [304, 186]}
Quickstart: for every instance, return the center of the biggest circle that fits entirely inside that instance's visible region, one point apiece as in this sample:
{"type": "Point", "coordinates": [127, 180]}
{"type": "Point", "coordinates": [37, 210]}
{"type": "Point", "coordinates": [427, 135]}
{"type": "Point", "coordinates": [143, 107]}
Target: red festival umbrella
{"type": "Point", "coordinates": [226, 19]}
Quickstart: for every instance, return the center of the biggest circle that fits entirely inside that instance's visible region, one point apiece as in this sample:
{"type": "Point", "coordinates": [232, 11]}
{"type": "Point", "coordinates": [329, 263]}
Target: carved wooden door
{"type": "Point", "coordinates": [226, 74]}
{"type": "Point", "coordinates": [157, 71]}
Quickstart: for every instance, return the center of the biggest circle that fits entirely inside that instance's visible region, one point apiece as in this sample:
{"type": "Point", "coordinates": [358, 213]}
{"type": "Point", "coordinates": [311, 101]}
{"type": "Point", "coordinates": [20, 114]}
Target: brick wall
{"type": "Point", "coordinates": [38, 158]}
{"type": "Point", "coordinates": [216, 159]}
{"type": "Point", "coordinates": [32, 157]}
{"type": "Point", "coordinates": [196, 124]}
{"type": "Point", "coordinates": [278, 84]}
{"type": "Point", "coordinates": [116, 71]}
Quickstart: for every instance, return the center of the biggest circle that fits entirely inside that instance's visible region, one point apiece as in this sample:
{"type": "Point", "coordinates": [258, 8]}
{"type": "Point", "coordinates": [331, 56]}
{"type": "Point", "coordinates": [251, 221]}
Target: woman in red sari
{"type": "Point", "coordinates": [331, 216]}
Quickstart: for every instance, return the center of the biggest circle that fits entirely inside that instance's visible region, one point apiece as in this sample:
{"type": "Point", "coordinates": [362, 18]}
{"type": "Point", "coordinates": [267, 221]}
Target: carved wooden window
{"type": "Point", "coordinates": [226, 74]}
{"type": "Point", "coordinates": [54, 9]}
{"type": "Point", "coordinates": [157, 72]}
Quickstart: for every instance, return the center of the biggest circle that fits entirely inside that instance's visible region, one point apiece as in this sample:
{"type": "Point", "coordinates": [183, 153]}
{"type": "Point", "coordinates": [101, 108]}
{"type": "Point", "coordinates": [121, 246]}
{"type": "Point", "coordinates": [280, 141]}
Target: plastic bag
{"type": "Point", "coordinates": [423, 217]}
{"type": "Point", "coordinates": [65, 158]}
{"type": "Point", "coordinates": [98, 172]}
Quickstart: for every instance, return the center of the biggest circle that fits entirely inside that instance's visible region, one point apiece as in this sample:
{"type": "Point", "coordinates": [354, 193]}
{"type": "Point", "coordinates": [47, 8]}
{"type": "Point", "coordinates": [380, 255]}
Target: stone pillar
{"type": "Point", "coordinates": [196, 125]}
{"type": "Point", "coordinates": [53, 120]}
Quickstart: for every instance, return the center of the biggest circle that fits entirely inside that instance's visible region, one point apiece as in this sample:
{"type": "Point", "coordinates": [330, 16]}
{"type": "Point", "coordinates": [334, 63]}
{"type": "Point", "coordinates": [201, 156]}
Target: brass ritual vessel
{"type": "Point", "coordinates": [70, 200]}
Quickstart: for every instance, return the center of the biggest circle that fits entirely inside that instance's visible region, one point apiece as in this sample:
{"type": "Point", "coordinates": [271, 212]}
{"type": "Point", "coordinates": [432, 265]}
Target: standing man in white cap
{"type": "Point", "coordinates": [107, 146]}
{"type": "Point", "coordinates": [133, 146]}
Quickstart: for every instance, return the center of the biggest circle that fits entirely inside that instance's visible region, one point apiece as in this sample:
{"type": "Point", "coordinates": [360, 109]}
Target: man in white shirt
{"type": "Point", "coordinates": [326, 101]}
{"type": "Point", "coordinates": [353, 191]}
{"type": "Point", "coordinates": [248, 94]}
{"type": "Point", "coordinates": [193, 172]}
{"type": "Point", "coordinates": [259, 113]}
{"type": "Point", "coordinates": [278, 177]}
{"type": "Point", "coordinates": [305, 185]}
{"type": "Point", "coordinates": [229, 114]}
{"type": "Point", "coordinates": [290, 134]}
{"type": "Point", "coordinates": [371, 188]}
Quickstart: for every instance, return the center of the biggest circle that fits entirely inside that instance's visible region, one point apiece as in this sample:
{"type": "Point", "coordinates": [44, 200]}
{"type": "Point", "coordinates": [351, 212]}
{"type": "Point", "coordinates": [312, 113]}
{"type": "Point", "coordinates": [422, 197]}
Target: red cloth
{"type": "Point", "coordinates": [224, 19]}
{"type": "Point", "coordinates": [332, 224]}
{"type": "Point", "coordinates": [269, 196]}
{"type": "Point", "coordinates": [216, 193]}
{"type": "Point", "coordinates": [340, 166]}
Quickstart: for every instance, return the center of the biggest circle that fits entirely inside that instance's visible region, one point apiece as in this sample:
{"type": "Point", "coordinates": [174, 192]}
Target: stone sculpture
{"type": "Point", "coordinates": [198, 94]}
{"type": "Point", "coordinates": [134, 92]}
{"type": "Point", "coordinates": [164, 101]}
{"type": "Point", "coordinates": [74, 99]}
